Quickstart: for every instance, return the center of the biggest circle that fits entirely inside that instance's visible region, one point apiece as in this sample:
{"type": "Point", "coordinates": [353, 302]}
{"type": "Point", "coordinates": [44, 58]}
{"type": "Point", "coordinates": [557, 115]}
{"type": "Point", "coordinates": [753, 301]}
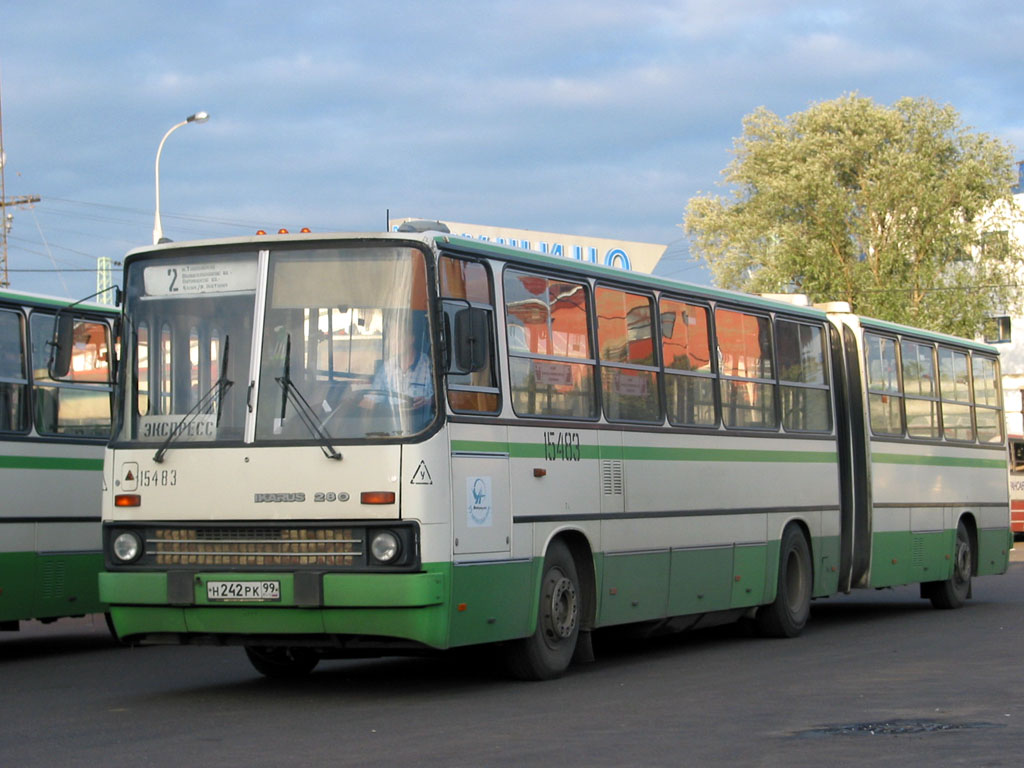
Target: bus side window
{"type": "Point", "coordinates": [79, 405]}
{"type": "Point", "coordinates": [955, 390]}
{"type": "Point", "coordinates": [804, 393]}
{"type": "Point", "coordinates": [988, 407]}
{"type": "Point", "coordinates": [746, 368]}
{"type": "Point", "coordinates": [885, 401]}
{"type": "Point", "coordinates": [550, 363]}
{"type": "Point", "coordinates": [466, 284]}
{"type": "Point", "coordinates": [629, 378]}
{"type": "Point", "coordinates": [686, 355]}
{"type": "Point", "coordinates": [920, 388]}
{"type": "Point", "coordinates": [13, 382]}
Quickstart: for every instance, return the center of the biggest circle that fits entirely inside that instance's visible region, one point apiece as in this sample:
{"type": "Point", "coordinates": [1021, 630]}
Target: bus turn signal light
{"type": "Point", "coordinates": [377, 497]}
{"type": "Point", "coordinates": [128, 500]}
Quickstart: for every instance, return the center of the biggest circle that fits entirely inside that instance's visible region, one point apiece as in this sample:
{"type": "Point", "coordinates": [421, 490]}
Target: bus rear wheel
{"type": "Point", "coordinates": [954, 591]}
{"type": "Point", "coordinates": [547, 652]}
{"type": "Point", "coordinates": [282, 663]}
{"type": "Point", "coordinates": [787, 615]}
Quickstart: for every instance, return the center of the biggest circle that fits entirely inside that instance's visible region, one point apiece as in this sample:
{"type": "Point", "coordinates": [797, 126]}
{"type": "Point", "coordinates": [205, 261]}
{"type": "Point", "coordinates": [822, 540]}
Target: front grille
{"type": "Point", "coordinates": [261, 545]}
{"type": "Point", "coordinates": [240, 547]}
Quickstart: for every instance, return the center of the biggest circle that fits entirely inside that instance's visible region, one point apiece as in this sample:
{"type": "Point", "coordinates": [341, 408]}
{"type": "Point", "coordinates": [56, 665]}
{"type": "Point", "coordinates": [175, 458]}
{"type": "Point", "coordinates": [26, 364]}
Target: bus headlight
{"type": "Point", "coordinates": [385, 547]}
{"type": "Point", "coordinates": [127, 547]}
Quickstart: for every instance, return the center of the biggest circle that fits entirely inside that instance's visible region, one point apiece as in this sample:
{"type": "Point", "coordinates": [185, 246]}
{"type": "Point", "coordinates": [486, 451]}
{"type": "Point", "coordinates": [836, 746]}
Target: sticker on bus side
{"type": "Point", "coordinates": [479, 508]}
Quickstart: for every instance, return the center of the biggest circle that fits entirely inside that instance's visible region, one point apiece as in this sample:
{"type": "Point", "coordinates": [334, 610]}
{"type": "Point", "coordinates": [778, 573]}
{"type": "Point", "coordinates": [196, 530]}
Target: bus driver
{"type": "Point", "coordinates": [406, 376]}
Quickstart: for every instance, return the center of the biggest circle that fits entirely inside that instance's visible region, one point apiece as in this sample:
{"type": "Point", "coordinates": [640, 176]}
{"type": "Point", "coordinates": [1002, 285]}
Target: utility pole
{"type": "Point", "coordinates": [7, 219]}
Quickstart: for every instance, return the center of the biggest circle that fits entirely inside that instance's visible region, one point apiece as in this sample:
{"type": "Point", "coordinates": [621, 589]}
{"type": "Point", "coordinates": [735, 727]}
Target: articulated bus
{"type": "Point", "coordinates": [588, 448]}
{"type": "Point", "coordinates": [52, 434]}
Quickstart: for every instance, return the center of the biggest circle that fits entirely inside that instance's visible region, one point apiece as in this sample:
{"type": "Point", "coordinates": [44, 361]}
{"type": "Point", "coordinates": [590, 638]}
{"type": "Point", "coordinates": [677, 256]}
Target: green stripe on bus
{"type": "Point", "coordinates": [649, 453]}
{"type": "Point", "coordinates": [728, 454]}
{"type": "Point", "coordinates": [938, 461]}
{"type": "Point", "coordinates": [50, 462]}
{"type": "Point", "coordinates": [479, 446]}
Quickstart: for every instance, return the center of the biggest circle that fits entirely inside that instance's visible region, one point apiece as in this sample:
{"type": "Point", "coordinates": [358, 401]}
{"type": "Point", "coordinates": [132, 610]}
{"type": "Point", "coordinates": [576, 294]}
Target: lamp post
{"type": "Point", "coordinates": [158, 230]}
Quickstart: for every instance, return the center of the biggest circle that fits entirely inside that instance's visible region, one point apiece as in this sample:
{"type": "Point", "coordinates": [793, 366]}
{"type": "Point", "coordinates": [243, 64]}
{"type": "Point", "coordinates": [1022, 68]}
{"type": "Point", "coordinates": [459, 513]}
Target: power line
{"type": "Point", "coordinates": [58, 270]}
{"type": "Point", "coordinates": [178, 216]}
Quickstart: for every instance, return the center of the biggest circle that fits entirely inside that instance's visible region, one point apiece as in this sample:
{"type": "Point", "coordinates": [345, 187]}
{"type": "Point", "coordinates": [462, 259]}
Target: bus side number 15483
{"type": "Point", "coordinates": [563, 446]}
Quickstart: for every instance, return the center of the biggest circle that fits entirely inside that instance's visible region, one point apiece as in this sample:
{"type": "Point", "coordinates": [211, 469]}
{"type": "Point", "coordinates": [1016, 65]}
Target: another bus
{"type": "Point", "coordinates": [52, 434]}
{"type": "Point", "coordinates": [1016, 459]}
{"type": "Point", "coordinates": [591, 448]}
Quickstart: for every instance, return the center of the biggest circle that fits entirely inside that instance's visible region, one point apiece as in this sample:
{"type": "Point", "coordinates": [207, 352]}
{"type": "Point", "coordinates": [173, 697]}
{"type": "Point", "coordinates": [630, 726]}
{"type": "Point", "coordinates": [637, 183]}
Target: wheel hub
{"type": "Point", "coordinates": [562, 616]}
{"type": "Point", "coordinates": [962, 567]}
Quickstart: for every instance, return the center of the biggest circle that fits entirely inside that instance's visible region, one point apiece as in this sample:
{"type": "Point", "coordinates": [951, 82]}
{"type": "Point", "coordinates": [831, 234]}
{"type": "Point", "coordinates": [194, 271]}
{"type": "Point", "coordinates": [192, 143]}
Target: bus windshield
{"type": "Point", "coordinates": [344, 346]}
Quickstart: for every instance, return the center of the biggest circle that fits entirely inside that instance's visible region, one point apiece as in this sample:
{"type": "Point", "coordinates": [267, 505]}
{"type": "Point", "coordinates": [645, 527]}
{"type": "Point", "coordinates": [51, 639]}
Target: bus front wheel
{"type": "Point", "coordinates": [787, 615]}
{"type": "Point", "coordinates": [282, 662]}
{"type": "Point", "coordinates": [547, 652]}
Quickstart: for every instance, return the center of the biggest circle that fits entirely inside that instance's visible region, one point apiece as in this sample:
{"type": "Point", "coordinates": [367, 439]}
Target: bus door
{"type": "Point", "coordinates": [481, 490]}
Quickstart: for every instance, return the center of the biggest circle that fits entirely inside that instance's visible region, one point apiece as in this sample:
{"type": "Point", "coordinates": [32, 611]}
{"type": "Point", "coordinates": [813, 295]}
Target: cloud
{"type": "Point", "coordinates": [592, 116]}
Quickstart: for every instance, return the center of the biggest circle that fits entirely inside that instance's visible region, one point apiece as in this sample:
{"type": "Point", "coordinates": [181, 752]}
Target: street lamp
{"type": "Point", "coordinates": [158, 230]}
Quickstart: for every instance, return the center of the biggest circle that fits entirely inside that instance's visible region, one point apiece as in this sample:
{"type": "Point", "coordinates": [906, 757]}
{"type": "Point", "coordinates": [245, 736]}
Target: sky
{"type": "Point", "coordinates": [596, 117]}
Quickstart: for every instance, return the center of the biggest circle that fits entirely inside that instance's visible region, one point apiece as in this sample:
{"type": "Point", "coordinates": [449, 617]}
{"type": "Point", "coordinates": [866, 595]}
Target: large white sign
{"type": "Point", "coordinates": [200, 279]}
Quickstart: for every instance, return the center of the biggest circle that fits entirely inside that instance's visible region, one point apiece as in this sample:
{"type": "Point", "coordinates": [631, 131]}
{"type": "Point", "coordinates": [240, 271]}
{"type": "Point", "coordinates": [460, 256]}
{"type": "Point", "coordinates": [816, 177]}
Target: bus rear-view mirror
{"type": "Point", "coordinates": [61, 346]}
{"type": "Point", "coordinates": [471, 340]}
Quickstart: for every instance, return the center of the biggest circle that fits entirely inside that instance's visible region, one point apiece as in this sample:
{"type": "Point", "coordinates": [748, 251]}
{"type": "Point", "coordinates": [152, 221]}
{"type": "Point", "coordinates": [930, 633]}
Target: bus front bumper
{"type": "Point", "coordinates": [175, 607]}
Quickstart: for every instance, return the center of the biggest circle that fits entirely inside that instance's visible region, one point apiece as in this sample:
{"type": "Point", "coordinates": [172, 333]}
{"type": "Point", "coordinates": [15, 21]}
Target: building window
{"type": "Point", "coordinates": [997, 329]}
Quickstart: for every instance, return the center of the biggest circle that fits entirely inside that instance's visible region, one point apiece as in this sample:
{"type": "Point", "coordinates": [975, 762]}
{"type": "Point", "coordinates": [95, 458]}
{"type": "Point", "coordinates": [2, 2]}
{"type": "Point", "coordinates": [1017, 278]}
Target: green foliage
{"type": "Point", "coordinates": [888, 208]}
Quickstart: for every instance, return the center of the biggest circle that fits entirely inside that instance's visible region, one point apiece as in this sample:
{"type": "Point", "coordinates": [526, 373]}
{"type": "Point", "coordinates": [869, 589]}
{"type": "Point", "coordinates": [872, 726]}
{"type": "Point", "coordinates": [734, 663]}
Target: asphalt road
{"type": "Point", "coordinates": [877, 676]}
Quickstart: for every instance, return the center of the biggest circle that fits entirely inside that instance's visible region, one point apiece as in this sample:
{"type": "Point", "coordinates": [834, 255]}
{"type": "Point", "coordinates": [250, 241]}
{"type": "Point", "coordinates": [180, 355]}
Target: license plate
{"type": "Point", "coordinates": [252, 591]}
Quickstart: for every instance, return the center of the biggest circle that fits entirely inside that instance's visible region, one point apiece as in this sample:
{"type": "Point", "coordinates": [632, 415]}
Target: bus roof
{"type": "Point", "coordinates": [470, 247]}
{"type": "Point", "coordinates": [45, 300]}
{"type": "Point", "coordinates": [872, 324]}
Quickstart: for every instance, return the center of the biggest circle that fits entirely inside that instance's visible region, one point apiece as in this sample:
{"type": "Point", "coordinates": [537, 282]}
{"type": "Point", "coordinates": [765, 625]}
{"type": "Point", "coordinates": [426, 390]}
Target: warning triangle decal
{"type": "Point", "coordinates": [421, 476]}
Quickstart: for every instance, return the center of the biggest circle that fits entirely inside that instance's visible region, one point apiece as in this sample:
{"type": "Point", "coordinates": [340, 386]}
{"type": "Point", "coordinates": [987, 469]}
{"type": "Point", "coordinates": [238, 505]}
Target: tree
{"type": "Point", "coordinates": [887, 208]}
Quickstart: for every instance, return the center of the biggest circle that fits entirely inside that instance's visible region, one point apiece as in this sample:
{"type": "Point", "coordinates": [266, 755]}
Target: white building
{"type": "Point", "coordinates": [1006, 332]}
{"type": "Point", "coordinates": [623, 254]}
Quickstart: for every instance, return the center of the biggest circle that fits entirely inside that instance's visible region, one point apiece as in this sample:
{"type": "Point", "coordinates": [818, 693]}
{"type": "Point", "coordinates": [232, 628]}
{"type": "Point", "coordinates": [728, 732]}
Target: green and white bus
{"type": "Point", "coordinates": [52, 434]}
{"type": "Point", "coordinates": [587, 448]}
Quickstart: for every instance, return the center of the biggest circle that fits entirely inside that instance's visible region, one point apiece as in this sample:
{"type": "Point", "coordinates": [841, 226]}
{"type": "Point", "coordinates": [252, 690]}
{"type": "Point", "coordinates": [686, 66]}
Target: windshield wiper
{"type": "Point", "coordinates": [215, 392]}
{"type": "Point", "coordinates": [302, 407]}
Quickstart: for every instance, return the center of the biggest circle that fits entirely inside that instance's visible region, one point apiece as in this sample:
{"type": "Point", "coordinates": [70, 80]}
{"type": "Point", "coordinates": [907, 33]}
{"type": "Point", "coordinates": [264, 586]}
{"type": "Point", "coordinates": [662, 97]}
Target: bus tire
{"type": "Point", "coordinates": [787, 615]}
{"type": "Point", "coordinates": [954, 591]}
{"type": "Point", "coordinates": [546, 653]}
{"type": "Point", "coordinates": [282, 663]}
